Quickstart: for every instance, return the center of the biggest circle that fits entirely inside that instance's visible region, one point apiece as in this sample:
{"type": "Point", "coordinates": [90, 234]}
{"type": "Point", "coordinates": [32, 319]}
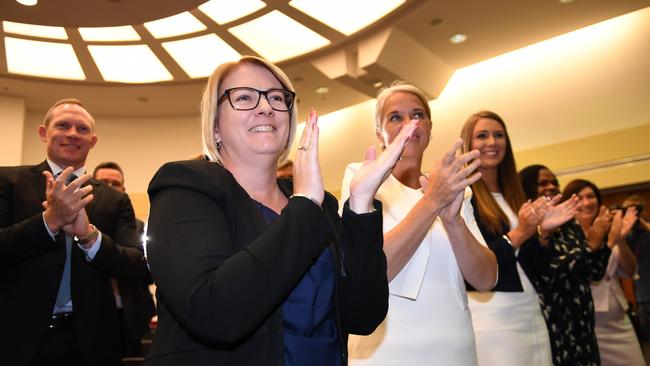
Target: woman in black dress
{"type": "Point", "coordinates": [564, 289]}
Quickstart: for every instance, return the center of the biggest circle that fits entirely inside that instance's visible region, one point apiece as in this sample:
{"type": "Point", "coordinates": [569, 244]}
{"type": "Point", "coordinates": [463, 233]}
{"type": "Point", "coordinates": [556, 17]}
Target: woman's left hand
{"type": "Point", "coordinates": [376, 169]}
{"type": "Point", "coordinates": [307, 178]}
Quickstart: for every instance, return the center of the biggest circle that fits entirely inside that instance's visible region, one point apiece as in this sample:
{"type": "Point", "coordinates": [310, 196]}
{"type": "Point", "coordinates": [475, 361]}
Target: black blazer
{"type": "Point", "coordinates": [222, 273]}
{"type": "Point", "coordinates": [137, 303]}
{"type": "Point", "coordinates": [532, 256]}
{"type": "Point", "coordinates": [31, 265]}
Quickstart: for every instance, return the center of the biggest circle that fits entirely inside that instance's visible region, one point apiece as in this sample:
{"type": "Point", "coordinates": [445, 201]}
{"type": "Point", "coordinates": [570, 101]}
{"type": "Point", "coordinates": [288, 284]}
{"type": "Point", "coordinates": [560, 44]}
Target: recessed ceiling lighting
{"type": "Point", "coordinates": [129, 64]}
{"type": "Point", "coordinates": [43, 31]}
{"type": "Point", "coordinates": [27, 2]}
{"type": "Point", "coordinates": [267, 35]}
{"type": "Point", "coordinates": [224, 11]}
{"type": "Point", "coordinates": [458, 38]}
{"type": "Point", "coordinates": [175, 25]}
{"type": "Point", "coordinates": [565, 1]}
{"type": "Point", "coordinates": [357, 15]}
{"type": "Point", "coordinates": [378, 84]}
{"type": "Point", "coordinates": [322, 90]}
{"type": "Point", "coordinates": [213, 50]}
{"type": "Point", "coordinates": [109, 34]}
{"type": "Point", "coordinates": [45, 59]}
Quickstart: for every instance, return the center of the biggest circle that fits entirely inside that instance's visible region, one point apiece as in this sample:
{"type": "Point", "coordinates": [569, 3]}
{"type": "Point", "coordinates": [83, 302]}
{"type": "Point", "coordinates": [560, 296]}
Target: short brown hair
{"type": "Point", "coordinates": [49, 114]}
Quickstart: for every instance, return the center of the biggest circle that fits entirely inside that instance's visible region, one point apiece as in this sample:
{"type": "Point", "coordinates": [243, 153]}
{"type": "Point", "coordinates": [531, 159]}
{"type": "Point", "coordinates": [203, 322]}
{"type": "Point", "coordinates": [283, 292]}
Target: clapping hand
{"type": "Point", "coordinates": [448, 178]}
{"type": "Point", "coordinates": [64, 201]}
{"type": "Point", "coordinates": [558, 214]}
{"type": "Point", "coordinates": [621, 226]}
{"type": "Point", "coordinates": [598, 229]}
{"type": "Point", "coordinates": [307, 177]}
{"type": "Point", "coordinates": [376, 169]}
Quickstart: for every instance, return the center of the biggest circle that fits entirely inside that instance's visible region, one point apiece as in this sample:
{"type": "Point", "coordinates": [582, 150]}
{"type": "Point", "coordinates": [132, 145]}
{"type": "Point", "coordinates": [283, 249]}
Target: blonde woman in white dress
{"type": "Point", "coordinates": [430, 251]}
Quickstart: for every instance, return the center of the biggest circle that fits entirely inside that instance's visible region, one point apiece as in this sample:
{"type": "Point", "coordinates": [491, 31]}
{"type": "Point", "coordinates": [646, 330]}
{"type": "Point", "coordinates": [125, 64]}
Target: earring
{"type": "Point", "coordinates": [218, 145]}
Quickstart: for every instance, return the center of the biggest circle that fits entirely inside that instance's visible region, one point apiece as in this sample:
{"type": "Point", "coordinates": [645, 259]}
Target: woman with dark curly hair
{"type": "Point", "coordinates": [565, 292]}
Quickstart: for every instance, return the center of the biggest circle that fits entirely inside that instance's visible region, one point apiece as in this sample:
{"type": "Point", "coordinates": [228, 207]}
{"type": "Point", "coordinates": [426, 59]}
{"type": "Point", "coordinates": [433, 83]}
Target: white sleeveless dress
{"type": "Point", "coordinates": [428, 322]}
{"type": "Point", "coordinates": [509, 327]}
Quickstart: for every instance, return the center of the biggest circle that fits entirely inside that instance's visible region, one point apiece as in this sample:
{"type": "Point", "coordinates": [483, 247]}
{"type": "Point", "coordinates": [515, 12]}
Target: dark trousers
{"type": "Point", "coordinates": [131, 347]}
{"type": "Point", "coordinates": [58, 347]}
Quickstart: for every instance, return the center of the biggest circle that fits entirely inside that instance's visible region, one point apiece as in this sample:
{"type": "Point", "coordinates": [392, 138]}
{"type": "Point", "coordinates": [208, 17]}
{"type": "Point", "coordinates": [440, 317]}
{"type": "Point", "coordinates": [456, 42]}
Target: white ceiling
{"type": "Point", "coordinates": [493, 27]}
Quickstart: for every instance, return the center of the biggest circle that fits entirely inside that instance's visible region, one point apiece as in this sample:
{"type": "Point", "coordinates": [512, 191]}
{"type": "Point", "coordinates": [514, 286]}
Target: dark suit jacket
{"type": "Point", "coordinates": [137, 302]}
{"type": "Point", "coordinates": [31, 265]}
{"type": "Point", "coordinates": [532, 256]}
{"type": "Point", "coordinates": [223, 273]}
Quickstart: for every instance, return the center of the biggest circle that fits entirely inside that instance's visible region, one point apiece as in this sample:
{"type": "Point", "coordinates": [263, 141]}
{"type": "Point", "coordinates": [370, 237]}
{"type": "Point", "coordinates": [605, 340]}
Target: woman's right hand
{"type": "Point", "coordinates": [450, 175]}
{"type": "Point", "coordinates": [376, 169]}
{"type": "Point", "coordinates": [307, 177]}
{"type": "Point", "coordinates": [598, 230]}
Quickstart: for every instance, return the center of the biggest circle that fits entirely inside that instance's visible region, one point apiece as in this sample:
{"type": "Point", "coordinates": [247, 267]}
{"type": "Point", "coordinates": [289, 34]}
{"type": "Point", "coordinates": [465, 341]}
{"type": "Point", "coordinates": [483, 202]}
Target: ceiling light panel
{"type": "Point", "coordinates": [129, 64]}
{"type": "Point", "coordinates": [109, 34]}
{"type": "Point", "coordinates": [277, 37]}
{"type": "Point", "coordinates": [199, 56]}
{"type": "Point", "coordinates": [45, 59]}
{"type": "Point", "coordinates": [224, 11]}
{"type": "Point", "coordinates": [174, 25]}
{"type": "Point", "coordinates": [357, 15]}
{"type": "Point", "coordinates": [43, 31]}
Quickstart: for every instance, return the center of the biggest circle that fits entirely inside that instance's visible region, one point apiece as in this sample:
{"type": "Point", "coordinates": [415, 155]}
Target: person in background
{"type": "Point", "coordinates": [564, 288]}
{"type": "Point", "coordinates": [255, 270]}
{"type": "Point", "coordinates": [427, 244]}
{"type": "Point", "coordinates": [60, 245]}
{"type": "Point", "coordinates": [134, 303]}
{"type": "Point", "coordinates": [639, 241]}
{"type": "Point", "coordinates": [508, 321]}
{"type": "Point", "coordinates": [617, 342]}
{"type": "Point", "coordinates": [285, 170]}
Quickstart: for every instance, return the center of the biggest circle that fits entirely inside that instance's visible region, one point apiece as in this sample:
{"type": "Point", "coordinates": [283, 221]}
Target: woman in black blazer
{"type": "Point", "coordinates": [252, 270]}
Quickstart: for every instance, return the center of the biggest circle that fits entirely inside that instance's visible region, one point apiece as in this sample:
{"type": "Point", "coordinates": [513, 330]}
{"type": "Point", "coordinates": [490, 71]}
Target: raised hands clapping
{"type": "Point", "coordinates": [448, 178]}
{"type": "Point", "coordinates": [376, 169]}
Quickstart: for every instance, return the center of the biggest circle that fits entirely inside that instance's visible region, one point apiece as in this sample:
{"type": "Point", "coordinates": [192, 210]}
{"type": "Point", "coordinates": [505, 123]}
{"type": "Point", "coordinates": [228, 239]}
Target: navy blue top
{"type": "Point", "coordinates": [310, 336]}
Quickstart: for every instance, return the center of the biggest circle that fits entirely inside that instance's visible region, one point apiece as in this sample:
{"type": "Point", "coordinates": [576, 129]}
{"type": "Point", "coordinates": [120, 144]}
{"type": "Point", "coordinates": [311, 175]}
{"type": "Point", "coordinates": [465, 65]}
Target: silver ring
{"type": "Point", "coordinates": [303, 148]}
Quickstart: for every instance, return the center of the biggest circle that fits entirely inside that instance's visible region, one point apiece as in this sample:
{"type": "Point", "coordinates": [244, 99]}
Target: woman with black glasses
{"type": "Point", "coordinates": [252, 270]}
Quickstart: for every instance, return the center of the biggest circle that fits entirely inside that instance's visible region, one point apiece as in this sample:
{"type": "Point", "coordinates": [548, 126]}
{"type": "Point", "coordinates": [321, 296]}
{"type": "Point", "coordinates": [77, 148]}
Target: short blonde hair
{"type": "Point", "coordinates": [50, 112]}
{"type": "Point", "coordinates": [210, 103]}
{"type": "Point", "coordinates": [398, 86]}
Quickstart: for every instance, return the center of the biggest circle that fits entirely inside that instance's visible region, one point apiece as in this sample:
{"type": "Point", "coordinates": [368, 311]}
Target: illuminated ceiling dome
{"type": "Point", "coordinates": [145, 41]}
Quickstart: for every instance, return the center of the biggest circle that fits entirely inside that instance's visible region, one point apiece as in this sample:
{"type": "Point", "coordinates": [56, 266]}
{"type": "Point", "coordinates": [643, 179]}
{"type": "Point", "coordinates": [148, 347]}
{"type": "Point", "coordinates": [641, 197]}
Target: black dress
{"type": "Point", "coordinates": [566, 299]}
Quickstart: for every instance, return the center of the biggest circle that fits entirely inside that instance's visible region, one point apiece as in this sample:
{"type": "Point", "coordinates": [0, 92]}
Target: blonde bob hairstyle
{"type": "Point", "coordinates": [397, 86]}
{"type": "Point", "coordinates": [210, 105]}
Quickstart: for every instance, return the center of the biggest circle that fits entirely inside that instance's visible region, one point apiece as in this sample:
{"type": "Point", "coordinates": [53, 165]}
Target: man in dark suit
{"type": "Point", "coordinates": [135, 303]}
{"type": "Point", "coordinates": [59, 249]}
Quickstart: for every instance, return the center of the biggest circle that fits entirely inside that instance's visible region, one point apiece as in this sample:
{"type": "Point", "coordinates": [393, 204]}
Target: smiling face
{"type": "Point", "coordinates": [489, 137]}
{"type": "Point", "coordinates": [547, 184]}
{"type": "Point", "coordinates": [399, 109]}
{"type": "Point", "coordinates": [250, 134]}
{"type": "Point", "coordinates": [588, 205]}
{"type": "Point", "coordinates": [69, 135]}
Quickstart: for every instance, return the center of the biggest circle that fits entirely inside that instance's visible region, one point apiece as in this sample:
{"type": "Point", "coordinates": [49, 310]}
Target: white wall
{"type": "Point", "coordinates": [12, 115]}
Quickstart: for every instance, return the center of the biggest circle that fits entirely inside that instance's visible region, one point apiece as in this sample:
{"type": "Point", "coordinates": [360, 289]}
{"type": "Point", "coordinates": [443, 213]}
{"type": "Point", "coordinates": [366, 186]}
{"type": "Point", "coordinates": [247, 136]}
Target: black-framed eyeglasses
{"type": "Point", "coordinates": [245, 98]}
